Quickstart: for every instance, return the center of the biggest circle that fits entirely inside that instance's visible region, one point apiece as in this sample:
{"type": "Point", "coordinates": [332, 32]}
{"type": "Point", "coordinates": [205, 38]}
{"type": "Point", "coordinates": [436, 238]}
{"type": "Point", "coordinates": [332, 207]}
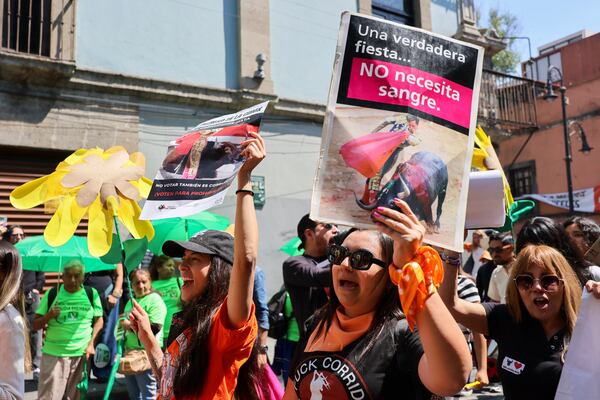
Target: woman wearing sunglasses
{"type": "Point", "coordinates": [535, 325]}
{"type": "Point", "coordinates": [359, 344]}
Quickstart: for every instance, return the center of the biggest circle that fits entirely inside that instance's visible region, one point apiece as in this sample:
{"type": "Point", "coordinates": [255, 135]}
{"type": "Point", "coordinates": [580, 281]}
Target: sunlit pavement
{"type": "Point", "coordinates": [96, 389]}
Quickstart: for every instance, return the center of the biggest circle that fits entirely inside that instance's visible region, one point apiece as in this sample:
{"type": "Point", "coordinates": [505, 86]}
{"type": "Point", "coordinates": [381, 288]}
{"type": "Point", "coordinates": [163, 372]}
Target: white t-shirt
{"type": "Point", "coordinates": [498, 284]}
{"type": "Point", "coordinates": [12, 346]}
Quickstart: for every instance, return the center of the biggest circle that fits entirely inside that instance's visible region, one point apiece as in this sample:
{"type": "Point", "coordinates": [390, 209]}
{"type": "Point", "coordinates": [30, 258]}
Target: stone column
{"type": "Point", "coordinates": [255, 46]}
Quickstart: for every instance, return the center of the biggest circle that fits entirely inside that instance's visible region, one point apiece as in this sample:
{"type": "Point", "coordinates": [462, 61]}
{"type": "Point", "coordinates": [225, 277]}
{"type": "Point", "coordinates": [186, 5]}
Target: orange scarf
{"type": "Point", "coordinates": [343, 331]}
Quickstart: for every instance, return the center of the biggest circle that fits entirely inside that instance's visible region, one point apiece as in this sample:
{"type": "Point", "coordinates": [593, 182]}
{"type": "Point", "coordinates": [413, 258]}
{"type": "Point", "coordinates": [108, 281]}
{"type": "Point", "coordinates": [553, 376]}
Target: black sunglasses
{"type": "Point", "coordinates": [549, 283]}
{"type": "Point", "coordinates": [327, 226]}
{"type": "Point", "coordinates": [359, 259]}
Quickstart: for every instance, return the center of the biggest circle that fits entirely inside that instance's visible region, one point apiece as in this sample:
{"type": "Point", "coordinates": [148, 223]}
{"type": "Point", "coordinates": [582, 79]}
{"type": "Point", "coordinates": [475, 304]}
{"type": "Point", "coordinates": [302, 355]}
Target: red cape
{"type": "Point", "coordinates": [367, 154]}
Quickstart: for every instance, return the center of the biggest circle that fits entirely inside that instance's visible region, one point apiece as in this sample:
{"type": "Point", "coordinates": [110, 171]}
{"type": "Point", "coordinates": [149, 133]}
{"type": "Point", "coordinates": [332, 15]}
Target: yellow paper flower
{"type": "Point", "coordinates": [95, 182]}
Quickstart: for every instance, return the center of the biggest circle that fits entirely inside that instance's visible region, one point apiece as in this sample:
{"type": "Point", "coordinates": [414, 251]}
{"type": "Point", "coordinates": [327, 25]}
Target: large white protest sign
{"type": "Point", "coordinates": [400, 122]}
{"type": "Point", "coordinates": [579, 377]}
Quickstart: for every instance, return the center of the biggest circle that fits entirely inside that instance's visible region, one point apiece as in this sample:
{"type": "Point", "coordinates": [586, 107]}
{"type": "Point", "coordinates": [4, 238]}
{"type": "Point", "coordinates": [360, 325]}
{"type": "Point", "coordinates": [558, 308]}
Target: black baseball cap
{"type": "Point", "coordinates": [305, 223]}
{"type": "Point", "coordinates": [216, 243]}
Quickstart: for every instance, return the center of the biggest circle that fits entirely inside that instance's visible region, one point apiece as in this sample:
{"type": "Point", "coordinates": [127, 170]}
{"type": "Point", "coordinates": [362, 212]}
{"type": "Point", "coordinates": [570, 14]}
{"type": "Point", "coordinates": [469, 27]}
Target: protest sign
{"type": "Point", "coordinates": [584, 200]}
{"type": "Point", "coordinates": [400, 122]}
{"type": "Point", "coordinates": [200, 165]}
{"type": "Point", "coordinates": [579, 377]}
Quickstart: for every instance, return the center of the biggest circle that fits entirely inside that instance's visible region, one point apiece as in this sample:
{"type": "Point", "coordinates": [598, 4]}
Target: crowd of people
{"type": "Point", "coordinates": [196, 322]}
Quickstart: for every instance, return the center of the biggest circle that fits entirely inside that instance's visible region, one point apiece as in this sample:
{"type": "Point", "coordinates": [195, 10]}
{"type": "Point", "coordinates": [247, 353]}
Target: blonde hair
{"type": "Point", "coordinates": [553, 262]}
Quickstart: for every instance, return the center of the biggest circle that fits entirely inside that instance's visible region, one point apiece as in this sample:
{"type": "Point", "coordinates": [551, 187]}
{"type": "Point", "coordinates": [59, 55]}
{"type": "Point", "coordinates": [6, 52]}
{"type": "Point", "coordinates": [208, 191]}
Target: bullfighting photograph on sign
{"type": "Point", "coordinates": [400, 123]}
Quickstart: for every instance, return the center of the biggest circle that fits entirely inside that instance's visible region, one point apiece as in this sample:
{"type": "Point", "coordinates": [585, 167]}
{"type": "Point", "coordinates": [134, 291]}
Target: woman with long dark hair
{"type": "Point", "coordinates": [543, 230]}
{"type": "Point", "coordinates": [359, 344]}
{"type": "Point", "coordinates": [14, 357]}
{"type": "Point", "coordinates": [213, 337]}
{"type": "Point", "coordinates": [582, 233]}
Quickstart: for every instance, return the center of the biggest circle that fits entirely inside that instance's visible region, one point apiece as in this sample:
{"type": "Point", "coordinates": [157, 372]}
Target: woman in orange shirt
{"type": "Point", "coordinates": [213, 337]}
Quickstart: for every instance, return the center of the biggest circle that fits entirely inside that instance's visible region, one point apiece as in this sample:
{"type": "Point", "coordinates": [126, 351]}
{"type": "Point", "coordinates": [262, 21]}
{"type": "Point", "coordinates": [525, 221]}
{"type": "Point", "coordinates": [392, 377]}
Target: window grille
{"type": "Point", "coordinates": [522, 179]}
{"type": "Point", "coordinates": [26, 26]}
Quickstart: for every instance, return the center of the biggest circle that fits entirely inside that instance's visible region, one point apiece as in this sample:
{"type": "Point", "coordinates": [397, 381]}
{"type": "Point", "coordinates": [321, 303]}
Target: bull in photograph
{"type": "Point", "coordinates": [419, 181]}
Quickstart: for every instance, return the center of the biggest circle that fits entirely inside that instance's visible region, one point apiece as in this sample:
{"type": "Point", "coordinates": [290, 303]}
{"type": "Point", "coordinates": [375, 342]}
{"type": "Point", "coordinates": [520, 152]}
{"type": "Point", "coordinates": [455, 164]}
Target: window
{"type": "Point", "coordinates": [39, 27]}
{"type": "Point", "coordinates": [538, 71]}
{"type": "Point", "coordinates": [395, 10]}
{"type": "Point", "coordinates": [26, 26]}
{"type": "Point", "coordinates": [522, 178]}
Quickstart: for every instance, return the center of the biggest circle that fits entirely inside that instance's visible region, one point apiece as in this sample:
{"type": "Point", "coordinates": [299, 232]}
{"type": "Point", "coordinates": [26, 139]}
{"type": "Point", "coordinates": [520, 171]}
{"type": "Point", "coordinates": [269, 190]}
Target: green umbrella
{"type": "Point", "coordinates": [291, 247]}
{"type": "Point", "coordinates": [38, 255]}
{"type": "Point", "coordinates": [182, 228]}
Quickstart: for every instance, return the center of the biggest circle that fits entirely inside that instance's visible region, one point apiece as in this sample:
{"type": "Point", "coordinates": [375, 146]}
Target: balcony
{"type": "Point", "coordinates": [38, 40]}
{"type": "Point", "coordinates": [507, 103]}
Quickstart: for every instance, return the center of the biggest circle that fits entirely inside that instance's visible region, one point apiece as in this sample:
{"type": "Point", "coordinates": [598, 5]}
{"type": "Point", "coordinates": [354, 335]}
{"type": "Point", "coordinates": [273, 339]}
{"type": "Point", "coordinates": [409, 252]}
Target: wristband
{"type": "Point", "coordinates": [245, 191]}
{"type": "Point", "coordinates": [455, 261]}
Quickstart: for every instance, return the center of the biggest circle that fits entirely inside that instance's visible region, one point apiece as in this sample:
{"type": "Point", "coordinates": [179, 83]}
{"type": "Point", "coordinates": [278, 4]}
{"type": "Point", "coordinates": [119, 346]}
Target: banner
{"type": "Point", "coordinates": [400, 122]}
{"type": "Point", "coordinates": [200, 165]}
{"type": "Point", "coordinates": [584, 200]}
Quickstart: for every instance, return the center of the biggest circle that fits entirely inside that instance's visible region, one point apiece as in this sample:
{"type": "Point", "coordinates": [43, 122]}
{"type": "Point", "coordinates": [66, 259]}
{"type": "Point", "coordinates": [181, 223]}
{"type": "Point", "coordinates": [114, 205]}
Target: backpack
{"type": "Point", "coordinates": [53, 292]}
{"type": "Point", "coordinates": [278, 322]}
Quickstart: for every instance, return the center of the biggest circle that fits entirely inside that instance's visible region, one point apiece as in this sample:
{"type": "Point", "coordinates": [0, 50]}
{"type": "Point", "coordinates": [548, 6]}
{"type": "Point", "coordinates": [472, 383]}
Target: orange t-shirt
{"type": "Point", "coordinates": [228, 351]}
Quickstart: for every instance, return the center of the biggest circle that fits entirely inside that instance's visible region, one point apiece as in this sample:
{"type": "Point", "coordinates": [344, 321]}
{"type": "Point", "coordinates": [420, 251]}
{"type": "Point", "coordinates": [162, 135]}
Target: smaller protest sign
{"type": "Point", "coordinates": [584, 200]}
{"type": "Point", "coordinates": [201, 165]}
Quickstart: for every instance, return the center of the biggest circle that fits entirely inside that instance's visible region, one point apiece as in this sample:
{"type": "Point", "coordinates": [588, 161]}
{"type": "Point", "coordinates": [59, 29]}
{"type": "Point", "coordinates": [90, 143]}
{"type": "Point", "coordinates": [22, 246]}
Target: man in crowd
{"type": "Point", "coordinates": [72, 317]}
{"type": "Point", "coordinates": [33, 285]}
{"type": "Point", "coordinates": [306, 277]}
{"type": "Point", "coordinates": [475, 251]}
{"type": "Point", "coordinates": [502, 251]}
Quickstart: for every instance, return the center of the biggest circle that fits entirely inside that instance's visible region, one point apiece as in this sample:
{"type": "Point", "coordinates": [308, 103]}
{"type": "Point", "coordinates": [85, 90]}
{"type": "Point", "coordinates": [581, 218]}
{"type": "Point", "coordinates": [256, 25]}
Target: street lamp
{"type": "Point", "coordinates": [550, 95]}
{"type": "Point", "coordinates": [585, 147]}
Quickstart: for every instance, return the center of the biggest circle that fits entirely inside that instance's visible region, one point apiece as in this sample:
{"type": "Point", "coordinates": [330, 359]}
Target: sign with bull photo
{"type": "Point", "coordinates": [400, 122]}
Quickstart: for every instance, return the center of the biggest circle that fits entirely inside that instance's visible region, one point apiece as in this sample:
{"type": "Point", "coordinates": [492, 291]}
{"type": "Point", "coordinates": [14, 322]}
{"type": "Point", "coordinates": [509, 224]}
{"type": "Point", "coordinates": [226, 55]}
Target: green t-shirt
{"type": "Point", "coordinates": [154, 305]}
{"type": "Point", "coordinates": [170, 292]}
{"type": "Point", "coordinates": [293, 331]}
{"type": "Point", "coordinates": [69, 334]}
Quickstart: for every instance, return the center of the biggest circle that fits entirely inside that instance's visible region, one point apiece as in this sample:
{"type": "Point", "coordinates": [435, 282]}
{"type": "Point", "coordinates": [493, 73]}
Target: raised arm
{"type": "Point", "coordinates": [471, 315]}
{"type": "Point", "coordinates": [118, 286]}
{"type": "Point", "coordinates": [446, 362]}
{"type": "Point", "coordinates": [245, 245]}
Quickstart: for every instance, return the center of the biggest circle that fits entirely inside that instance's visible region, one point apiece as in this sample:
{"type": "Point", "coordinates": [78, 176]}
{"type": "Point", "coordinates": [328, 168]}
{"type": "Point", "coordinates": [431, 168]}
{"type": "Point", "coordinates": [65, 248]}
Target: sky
{"type": "Point", "coordinates": [545, 21]}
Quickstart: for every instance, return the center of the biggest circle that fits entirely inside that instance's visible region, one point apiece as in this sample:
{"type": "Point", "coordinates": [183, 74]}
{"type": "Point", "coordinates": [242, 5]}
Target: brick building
{"type": "Point", "coordinates": [534, 160]}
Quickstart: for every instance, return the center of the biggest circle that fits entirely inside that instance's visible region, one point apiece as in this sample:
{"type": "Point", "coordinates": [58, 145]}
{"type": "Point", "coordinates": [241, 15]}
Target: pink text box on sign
{"type": "Point", "coordinates": [417, 89]}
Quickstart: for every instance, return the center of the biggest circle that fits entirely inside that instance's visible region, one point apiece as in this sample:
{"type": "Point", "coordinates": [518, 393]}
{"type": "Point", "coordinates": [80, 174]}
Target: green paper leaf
{"type": "Point", "coordinates": [291, 247]}
{"type": "Point", "coordinates": [114, 255]}
{"type": "Point", "coordinates": [135, 250]}
{"type": "Point", "coordinates": [519, 208]}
